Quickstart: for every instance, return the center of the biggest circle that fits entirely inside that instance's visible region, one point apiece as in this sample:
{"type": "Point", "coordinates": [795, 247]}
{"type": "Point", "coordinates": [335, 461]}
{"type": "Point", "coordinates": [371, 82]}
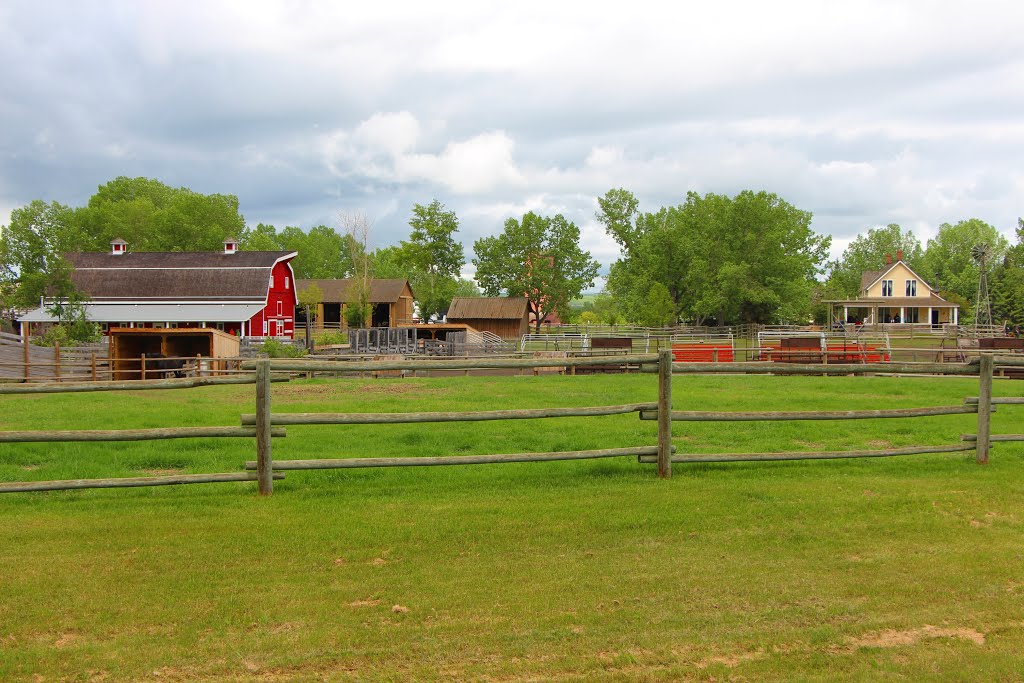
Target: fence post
{"type": "Point", "coordinates": [93, 366]}
{"type": "Point", "coordinates": [56, 360]}
{"type": "Point", "coordinates": [984, 407]}
{"type": "Point", "coordinates": [142, 367]}
{"type": "Point", "coordinates": [665, 413]}
{"type": "Point", "coordinates": [264, 458]}
{"type": "Point", "coordinates": [28, 357]}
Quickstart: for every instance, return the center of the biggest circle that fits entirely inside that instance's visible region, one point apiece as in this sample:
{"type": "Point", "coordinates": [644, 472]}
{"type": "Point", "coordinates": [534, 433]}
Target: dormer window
{"type": "Point", "coordinates": [911, 287]}
{"type": "Point", "coordinates": [886, 287]}
{"type": "Point", "coordinates": [230, 245]}
{"type": "Point", "coordinates": [118, 246]}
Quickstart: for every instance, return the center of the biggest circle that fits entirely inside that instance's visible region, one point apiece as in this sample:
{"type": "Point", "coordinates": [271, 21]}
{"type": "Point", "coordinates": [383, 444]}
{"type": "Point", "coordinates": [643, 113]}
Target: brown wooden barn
{"type": "Point", "coordinates": [392, 302]}
{"type": "Point", "coordinates": [506, 316]}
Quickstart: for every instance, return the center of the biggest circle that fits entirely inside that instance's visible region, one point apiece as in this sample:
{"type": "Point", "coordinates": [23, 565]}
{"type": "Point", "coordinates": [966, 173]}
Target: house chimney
{"type": "Point", "coordinates": [888, 259]}
{"type": "Point", "coordinates": [230, 245]}
{"type": "Point", "coordinates": [118, 246]}
{"type": "Point", "coordinates": [899, 254]}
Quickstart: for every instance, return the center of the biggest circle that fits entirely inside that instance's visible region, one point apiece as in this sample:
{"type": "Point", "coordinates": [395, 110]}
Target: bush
{"type": "Point", "coordinates": [70, 334]}
{"type": "Point", "coordinates": [329, 338]}
{"type": "Point", "coordinates": [272, 348]}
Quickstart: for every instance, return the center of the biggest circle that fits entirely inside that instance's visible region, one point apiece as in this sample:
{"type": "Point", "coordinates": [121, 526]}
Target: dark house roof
{"type": "Point", "coordinates": [488, 308]}
{"type": "Point", "coordinates": [337, 291]}
{"type": "Point", "coordinates": [175, 276]}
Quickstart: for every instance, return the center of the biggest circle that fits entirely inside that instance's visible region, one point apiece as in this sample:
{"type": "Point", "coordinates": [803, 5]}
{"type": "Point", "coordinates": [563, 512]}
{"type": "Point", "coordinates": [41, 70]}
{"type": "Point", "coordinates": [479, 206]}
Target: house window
{"type": "Point", "coordinates": [280, 308]}
{"type": "Point", "coordinates": [286, 278]}
{"type": "Point", "coordinates": [886, 287]}
{"type": "Point", "coordinates": [913, 315]}
{"type": "Point", "coordinates": [911, 287]}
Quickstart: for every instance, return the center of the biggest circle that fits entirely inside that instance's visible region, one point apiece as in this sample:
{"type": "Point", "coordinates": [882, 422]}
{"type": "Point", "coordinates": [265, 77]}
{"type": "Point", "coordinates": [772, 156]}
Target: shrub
{"type": "Point", "coordinates": [272, 348]}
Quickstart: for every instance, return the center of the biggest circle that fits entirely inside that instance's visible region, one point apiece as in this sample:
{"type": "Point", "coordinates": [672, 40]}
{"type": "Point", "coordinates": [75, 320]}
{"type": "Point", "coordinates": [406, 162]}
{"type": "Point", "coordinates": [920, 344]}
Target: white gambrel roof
{"type": "Point", "coordinates": [156, 313]}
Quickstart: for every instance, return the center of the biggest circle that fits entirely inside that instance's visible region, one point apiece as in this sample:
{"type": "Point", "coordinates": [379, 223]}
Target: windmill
{"type": "Point", "coordinates": [981, 253]}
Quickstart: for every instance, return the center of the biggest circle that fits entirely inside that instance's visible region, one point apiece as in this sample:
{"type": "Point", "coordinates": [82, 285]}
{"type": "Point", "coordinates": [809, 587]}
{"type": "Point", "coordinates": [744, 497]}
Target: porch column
{"type": "Point", "coordinates": [956, 317]}
{"type": "Point", "coordinates": [929, 315]}
{"type": "Point", "coordinates": [903, 314]}
{"type": "Point", "coordinates": [846, 313]}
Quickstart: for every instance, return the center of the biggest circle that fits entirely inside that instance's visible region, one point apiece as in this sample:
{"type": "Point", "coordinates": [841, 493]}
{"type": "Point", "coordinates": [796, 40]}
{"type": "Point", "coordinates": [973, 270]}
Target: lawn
{"type": "Point", "coordinates": [898, 568]}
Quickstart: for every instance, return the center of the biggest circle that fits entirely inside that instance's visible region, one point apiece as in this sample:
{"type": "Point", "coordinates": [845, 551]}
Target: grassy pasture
{"type": "Point", "coordinates": [904, 568]}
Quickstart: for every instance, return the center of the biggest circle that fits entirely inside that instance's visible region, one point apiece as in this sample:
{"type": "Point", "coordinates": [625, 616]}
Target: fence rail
{"type": "Point", "coordinates": [265, 424]}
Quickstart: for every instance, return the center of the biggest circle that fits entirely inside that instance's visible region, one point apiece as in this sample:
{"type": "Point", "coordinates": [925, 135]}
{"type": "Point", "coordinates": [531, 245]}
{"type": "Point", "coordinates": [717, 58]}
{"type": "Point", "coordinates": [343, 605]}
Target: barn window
{"type": "Point", "coordinates": [886, 287]}
{"type": "Point", "coordinates": [286, 278]}
{"type": "Point", "coordinates": [280, 308]}
{"type": "Point", "coordinates": [266, 328]}
{"type": "Point", "coordinates": [220, 326]}
{"type": "Point", "coordinates": [911, 287]}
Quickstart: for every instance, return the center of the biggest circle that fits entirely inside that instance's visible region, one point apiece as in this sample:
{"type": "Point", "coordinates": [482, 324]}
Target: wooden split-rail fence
{"type": "Point", "coordinates": [265, 425]}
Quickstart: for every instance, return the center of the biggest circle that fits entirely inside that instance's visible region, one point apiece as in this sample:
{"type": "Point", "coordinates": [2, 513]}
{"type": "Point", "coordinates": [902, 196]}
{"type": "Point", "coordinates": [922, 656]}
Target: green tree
{"type": "Point", "coordinates": [867, 252]}
{"type": "Point", "coordinates": [434, 257]}
{"type": "Point", "coordinates": [1007, 287]}
{"type": "Point", "coordinates": [309, 298]}
{"type": "Point", "coordinates": [659, 310]}
{"type": "Point", "coordinates": [152, 216]}
{"type": "Point", "coordinates": [748, 258]}
{"type": "Point", "coordinates": [31, 253]}
{"type": "Point", "coordinates": [949, 265]}
{"type": "Point", "coordinates": [538, 257]}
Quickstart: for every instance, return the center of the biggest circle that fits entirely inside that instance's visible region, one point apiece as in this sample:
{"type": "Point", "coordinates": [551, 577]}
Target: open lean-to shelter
{"type": "Point", "coordinates": [242, 293]}
{"type": "Point", "coordinates": [202, 348]}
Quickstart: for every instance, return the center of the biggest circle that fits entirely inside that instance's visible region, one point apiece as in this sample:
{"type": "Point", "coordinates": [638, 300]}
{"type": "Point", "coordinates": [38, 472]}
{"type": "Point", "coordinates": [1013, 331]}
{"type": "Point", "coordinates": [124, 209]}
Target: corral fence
{"type": "Point", "coordinates": [264, 424]}
{"type": "Point", "coordinates": [662, 453]}
{"type": "Point", "coordinates": [22, 360]}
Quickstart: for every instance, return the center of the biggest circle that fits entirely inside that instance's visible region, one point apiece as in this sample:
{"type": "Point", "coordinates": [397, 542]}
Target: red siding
{"type": "Point", "coordinates": [281, 289]}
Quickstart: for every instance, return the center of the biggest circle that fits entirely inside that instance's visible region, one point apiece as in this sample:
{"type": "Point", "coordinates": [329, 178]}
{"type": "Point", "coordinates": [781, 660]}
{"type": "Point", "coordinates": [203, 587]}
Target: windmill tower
{"type": "Point", "coordinates": [981, 253]}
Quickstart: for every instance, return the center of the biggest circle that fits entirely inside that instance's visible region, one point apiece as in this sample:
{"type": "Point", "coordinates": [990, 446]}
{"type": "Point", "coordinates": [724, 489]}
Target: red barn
{"type": "Point", "coordinates": [242, 293]}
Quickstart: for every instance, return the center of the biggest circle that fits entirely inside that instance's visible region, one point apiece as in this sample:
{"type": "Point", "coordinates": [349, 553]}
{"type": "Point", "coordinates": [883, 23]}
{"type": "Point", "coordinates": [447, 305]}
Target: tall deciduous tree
{"type": "Point", "coordinates": [949, 264]}
{"type": "Point", "coordinates": [434, 255]}
{"type": "Point", "coordinates": [748, 258]}
{"type": "Point", "coordinates": [152, 216]}
{"type": "Point", "coordinates": [323, 252]}
{"type": "Point", "coordinates": [538, 257]}
{"type": "Point", "coordinates": [868, 252]}
{"type": "Point", "coordinates": [1008, 284]}
{"type": "Point", "coordinates": [31, 253]}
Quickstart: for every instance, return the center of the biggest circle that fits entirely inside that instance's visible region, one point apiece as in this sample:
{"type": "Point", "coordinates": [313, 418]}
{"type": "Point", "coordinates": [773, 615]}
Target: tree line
{"type": "Point", "coordinates": [712, 259]}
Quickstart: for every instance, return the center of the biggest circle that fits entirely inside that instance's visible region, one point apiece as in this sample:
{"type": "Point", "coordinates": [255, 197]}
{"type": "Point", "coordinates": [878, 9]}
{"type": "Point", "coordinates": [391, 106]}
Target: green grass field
{"type": "Point", "coordinates": [896, 569]}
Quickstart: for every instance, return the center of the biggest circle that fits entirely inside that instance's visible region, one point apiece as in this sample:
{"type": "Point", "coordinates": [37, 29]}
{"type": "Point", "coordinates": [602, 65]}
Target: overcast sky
{"type": "Point", "coordinates": [864, 113]}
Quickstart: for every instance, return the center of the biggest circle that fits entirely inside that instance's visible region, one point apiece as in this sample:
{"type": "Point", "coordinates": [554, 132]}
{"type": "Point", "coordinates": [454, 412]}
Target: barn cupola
{"type": "Point", "coordinates": [230, 245]}
{"type": "Point", "coordinates": [118, 246]}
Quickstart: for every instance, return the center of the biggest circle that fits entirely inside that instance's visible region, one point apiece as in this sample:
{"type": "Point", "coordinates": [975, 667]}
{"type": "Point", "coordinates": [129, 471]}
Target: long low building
{"type": "Point", "coordinates": [240, 293]}
{"type": "Point", "coordinates": [392, 302]}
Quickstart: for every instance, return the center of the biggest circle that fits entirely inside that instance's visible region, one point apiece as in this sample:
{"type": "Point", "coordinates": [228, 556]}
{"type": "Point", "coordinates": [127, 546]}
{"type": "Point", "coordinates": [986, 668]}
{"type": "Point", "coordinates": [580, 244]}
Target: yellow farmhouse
{"type": "Point", "coordinates": [894, 295]}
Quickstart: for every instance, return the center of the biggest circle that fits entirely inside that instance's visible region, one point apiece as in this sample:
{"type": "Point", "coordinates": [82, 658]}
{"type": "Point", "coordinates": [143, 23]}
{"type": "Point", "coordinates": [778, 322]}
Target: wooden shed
{"type": "Point", "coordinates": [506, 316]}
{"type": "Point", "coordinates": [203, 344]}
{"type": "Point", "coordinates": [392, 302]}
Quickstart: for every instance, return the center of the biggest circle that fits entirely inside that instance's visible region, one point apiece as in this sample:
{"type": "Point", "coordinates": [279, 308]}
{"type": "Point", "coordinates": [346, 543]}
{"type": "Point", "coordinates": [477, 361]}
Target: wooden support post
{"type": "Point", "coordinates": [714, 354]}
{"type": "Point", "coordinates": [56, 360]}
{"type": "Point", "coordinates": [92, 364]}
{"type": "Point", "coordinates": [665, 413]}
{"type": "Point", "coordinates": [264, 458]}
{"type": "Point", "coordinates": [142, 367]}
{"type": "Point", "coordinates": [984, 407]}
{"type": "Point", "coordinates": [28, 357]}
{"type": "Point", "coordinates": [199, 365]}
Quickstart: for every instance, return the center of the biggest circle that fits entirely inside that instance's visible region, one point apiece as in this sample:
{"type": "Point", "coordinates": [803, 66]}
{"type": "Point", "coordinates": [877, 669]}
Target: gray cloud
{"type": "Point", "coordinates": [868, 114]}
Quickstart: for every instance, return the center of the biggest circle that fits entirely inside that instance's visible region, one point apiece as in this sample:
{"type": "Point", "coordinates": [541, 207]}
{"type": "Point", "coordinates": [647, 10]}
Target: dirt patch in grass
{"type": "Point", "coordinates": [163, 472]}
{"type": "Point", "coordinates": [368, 602]}
{"type": "Point", "coordinates": [879, 443]}
{"type": "Point", "coordinates": [894, 638]}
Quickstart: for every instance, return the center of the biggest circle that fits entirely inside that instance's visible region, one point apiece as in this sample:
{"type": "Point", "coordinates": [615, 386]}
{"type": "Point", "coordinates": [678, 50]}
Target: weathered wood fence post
{"type": "Point", "coordinates": [665, 413]}
{"type": "Point", "coordinates": [264, 458]}
{"type": "Point", "coordinates": [56, 360]}
{"type": "Point", "coordinates": [984, 407]}
{"type": "Point", "coordinates": [28, 357]}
